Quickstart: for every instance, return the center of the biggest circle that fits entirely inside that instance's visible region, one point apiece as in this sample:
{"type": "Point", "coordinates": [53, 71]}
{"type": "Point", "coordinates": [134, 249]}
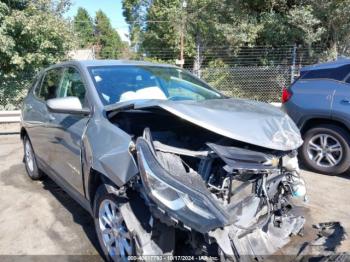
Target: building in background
{"type": "Point", "coordinates": [82, 54]}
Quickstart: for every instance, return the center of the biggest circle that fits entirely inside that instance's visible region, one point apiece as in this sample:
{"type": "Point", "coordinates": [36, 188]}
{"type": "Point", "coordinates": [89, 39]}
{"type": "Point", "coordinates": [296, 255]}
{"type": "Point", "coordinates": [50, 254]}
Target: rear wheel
{"type": "Point", "coordinates": [30, 160]}
{"type": "Point", "coordinates": [326, 149]}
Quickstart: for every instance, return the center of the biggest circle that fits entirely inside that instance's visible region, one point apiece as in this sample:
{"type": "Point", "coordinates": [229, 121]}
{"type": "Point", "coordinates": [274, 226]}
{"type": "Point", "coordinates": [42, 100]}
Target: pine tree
{"type": "Point", "coordinates": [84, 27]}
{"type": "Point", "coordinates": [107, 38]}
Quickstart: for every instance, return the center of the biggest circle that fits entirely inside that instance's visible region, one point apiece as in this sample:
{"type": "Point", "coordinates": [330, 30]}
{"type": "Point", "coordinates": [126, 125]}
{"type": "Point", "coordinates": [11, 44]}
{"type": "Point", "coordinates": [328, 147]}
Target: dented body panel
{"type": "Point", "coordinates": [107, 151]}
{"type": "Point", "coordinates": [248, 121]}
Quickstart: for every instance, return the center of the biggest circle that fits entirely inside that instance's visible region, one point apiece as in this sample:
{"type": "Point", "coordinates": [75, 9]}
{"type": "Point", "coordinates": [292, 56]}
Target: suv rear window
{"type": "Point", "coordinates": [338, 73]}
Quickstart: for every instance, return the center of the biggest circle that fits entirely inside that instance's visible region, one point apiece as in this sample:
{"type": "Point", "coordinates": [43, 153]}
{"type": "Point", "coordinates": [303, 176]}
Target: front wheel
{"type": "Point", "coordinates": [114, 237]}
{"type": "Point", "coordinates": [30, 160]}
{"type": "Point", "coordinates": [326, 149]}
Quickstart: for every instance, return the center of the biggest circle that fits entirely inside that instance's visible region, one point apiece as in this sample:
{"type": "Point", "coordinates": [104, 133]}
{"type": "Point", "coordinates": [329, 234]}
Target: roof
{"type": "Point", "coordinates": [332, 64]}
{"type": "Point", "coordinates": [88, 63]}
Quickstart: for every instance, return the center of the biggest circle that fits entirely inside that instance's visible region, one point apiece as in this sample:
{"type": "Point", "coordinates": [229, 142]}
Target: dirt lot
{"type": "Point", "coordinates": [38, 218]}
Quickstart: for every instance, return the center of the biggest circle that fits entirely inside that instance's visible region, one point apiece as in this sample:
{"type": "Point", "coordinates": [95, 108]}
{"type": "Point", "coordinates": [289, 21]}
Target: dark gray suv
{"type": "Point", "coordinates": [319, 103]}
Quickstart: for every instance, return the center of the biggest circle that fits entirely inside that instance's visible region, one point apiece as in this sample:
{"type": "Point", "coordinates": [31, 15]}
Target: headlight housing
{"type": "Point", "coordinates": [290, 162]}
{"type": "Point", "coordinates": [195, 209]}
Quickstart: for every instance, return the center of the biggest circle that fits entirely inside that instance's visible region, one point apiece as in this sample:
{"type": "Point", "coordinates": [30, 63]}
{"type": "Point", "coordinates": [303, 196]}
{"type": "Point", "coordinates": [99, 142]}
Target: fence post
{"type": "Point", "coordinates": [93, 52]}
{"type": "Point", "coordinates": [292, 68]}
{"type": "Point", "coordinates": [199, 60]}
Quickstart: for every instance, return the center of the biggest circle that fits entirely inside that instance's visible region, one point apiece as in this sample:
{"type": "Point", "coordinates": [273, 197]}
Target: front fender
{"type": "Point", "coordinates": [105, 148]}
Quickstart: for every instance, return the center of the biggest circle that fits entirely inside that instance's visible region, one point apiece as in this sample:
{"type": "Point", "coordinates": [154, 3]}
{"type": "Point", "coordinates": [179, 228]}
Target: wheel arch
{"type": "Point", "coordinates": [313, 122]}
{"type": "Point", "coordinates": [96, 179]}
{"type": "Point", "coordinates": [23, 133]}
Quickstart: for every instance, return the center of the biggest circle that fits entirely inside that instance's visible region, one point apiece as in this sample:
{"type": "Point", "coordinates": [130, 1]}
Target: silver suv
{"type": "Point", "coordinates": [164, 163]}
{"type": "Point", "coordinates": [319, 103]}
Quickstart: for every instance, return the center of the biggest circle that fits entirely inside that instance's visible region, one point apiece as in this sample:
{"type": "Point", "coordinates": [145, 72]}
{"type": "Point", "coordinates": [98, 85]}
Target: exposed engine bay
{"type": "Point", "coordinates": [238, 195]}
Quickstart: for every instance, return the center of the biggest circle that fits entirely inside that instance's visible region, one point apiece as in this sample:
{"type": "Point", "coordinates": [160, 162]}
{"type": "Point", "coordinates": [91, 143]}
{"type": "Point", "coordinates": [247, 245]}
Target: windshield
{"type": "Point", "coordinates": [121, 83]}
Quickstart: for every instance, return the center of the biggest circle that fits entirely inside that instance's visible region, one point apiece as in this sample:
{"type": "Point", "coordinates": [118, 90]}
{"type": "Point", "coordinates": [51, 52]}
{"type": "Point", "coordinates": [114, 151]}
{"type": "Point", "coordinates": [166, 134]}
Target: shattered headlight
{"type": "Point", "coordinates": [172, 198]}
{"type": "Point", "coordinates": [181, 202]}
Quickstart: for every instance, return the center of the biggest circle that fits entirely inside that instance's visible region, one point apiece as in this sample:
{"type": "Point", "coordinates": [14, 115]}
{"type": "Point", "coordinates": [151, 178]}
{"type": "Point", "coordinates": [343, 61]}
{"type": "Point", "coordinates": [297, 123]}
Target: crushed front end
{"type": "Point", "coordinates": [236, 195]}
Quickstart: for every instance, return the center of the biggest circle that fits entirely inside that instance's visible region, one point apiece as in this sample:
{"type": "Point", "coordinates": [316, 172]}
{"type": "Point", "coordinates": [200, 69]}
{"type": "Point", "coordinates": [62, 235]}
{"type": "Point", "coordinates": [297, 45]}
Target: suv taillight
{"type": "Point", "coordinates": [286, 95]}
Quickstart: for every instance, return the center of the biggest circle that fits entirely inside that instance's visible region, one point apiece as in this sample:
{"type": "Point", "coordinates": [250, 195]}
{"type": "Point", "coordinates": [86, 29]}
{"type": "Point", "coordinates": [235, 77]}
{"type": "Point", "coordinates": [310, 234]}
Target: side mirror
{"type": "Point", "coordinates": [66, 105]}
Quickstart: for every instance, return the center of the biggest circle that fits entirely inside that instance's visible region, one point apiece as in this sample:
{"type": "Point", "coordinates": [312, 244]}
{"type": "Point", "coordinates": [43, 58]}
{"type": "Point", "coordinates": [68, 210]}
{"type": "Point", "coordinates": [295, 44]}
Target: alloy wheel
{"type": "Point", "coordinates": [325, 150]}
{"type": "Point", "coordinates": [29, 156]}
{"type": "Point", "coordinates": [115, 235]}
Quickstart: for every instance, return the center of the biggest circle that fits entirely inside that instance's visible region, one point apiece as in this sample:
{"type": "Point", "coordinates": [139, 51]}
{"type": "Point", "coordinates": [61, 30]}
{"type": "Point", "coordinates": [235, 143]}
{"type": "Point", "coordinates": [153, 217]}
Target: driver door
{"type": "Point", "coordinates": [68, 130]}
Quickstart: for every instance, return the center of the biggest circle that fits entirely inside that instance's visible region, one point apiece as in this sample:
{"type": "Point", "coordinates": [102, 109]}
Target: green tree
{"type": "Point", "coordinates": [28, 44]}
{"type": "Point", "coordinates": [306, 26]}
{"type": "Point", "coordinates": [107, 37]}
{"type": "Point", "coordinates": [84, 27]}
{"type": "Point", "coordinates": [158, 23]}
{"type": "Point", "coordinates": [14, 4]}
{"type": "Point", "coordinates": [334, 17]}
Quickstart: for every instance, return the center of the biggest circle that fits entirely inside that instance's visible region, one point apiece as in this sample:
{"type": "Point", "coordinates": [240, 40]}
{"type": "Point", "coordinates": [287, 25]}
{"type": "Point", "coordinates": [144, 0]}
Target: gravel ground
{"type": "Point", "coordinates": [38, 218]}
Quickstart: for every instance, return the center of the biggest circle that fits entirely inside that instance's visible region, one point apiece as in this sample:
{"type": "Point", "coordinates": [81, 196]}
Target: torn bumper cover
{"type": "Point", "coordinates": [260, 241]}
{"type": "Point", "coordinates": [256, 223]}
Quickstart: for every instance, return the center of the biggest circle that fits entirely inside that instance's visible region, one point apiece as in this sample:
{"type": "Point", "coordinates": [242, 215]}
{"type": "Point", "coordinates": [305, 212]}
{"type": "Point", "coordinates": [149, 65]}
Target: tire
{"type": "Point", "coordinates": [30, 160]}
{"type": "Point", "coordinates": [326, 149]}
{"type": "Point", "coordinates": [106, 200]}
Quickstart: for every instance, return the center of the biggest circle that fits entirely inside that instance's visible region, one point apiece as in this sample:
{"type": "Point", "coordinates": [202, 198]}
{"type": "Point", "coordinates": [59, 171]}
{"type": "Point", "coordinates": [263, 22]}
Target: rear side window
{"type": "Point", "coordinates": [338, 73]}
{"type": "Point", "coordinates": [50, 84]}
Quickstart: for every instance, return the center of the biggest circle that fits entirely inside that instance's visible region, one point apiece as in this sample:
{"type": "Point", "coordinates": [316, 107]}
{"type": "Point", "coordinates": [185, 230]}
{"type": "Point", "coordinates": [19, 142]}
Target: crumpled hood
{"type": "Point", "coordinates": [248, 121]}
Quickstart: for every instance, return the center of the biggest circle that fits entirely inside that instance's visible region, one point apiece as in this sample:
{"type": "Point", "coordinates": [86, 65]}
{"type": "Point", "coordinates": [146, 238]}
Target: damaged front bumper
{"type": "Point", "coordinates": [260, 242]}
{"type": "Point", "coordinates": [184, 203]}
{"type": "Point", "coordinates": [256, 222]}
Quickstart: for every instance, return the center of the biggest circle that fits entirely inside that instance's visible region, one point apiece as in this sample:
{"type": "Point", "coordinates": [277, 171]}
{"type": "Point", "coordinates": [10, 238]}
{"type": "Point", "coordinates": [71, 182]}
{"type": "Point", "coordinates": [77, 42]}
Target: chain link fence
{"type": "Point", "coordinates": [262, 83]}
{"type": "Point", "coordinates": [257, 73]}
{"type": "Point", "coordinates": [13, 89]}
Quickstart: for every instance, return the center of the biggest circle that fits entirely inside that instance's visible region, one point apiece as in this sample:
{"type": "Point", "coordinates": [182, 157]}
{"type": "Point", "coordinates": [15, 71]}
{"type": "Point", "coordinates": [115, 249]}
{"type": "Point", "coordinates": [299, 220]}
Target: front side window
{"type": "Point", "coordinates": [71, 84]}
{"type": "Point", "coordinates": [121, 83]}
{"type": "Point", "coordinates": [50, 84]}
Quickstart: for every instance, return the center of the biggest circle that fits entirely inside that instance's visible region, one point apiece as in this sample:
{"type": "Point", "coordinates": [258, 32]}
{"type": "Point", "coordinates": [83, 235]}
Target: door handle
{"type": "Point", "coordinates": [51, 118]}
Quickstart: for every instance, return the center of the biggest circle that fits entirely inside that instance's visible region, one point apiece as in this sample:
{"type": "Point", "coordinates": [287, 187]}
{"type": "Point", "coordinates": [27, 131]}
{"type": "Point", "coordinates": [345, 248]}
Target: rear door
{"type": "Point", "coordinates": [68, 130]}
{"type": "Point", "coordinates": [39, 130]}
{"type": "Point", "coordinates": [313, 93]}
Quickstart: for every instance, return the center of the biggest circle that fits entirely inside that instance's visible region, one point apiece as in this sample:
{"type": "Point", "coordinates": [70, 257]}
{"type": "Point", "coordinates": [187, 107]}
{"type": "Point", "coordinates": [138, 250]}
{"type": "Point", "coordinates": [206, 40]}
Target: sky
{"type": "Point", "coordinates": [112, 8]}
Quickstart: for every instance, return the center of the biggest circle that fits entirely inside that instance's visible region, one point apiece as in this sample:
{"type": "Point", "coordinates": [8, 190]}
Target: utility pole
{"type": "Point", "coordinates": [182, 60]}
{"type": "Point", "coordinates": [182, 34]}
